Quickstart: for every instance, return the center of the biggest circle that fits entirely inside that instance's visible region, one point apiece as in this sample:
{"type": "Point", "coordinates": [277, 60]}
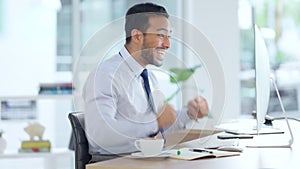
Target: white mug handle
{"type": "Point", "coordinates": [137, 144]}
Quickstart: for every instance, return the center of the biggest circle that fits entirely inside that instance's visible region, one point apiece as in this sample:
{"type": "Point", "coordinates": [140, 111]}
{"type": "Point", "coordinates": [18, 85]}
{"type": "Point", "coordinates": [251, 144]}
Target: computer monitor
{"type": "Point", "coordinates": [262, 77]}
{"type": "Point", "coordinates": [263, 82]}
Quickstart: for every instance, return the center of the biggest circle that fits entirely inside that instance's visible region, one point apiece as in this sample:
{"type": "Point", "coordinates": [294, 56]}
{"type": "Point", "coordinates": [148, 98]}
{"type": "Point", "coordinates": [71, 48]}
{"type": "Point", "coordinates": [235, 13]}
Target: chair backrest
{"type": "Point", "coordinates": [82, 156]}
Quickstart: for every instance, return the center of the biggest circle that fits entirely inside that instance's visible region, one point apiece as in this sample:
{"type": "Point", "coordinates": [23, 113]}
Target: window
{"type": "Point", "coordinates": [64, 37]}
{"type": "Point", "coordinates": [279, 23]}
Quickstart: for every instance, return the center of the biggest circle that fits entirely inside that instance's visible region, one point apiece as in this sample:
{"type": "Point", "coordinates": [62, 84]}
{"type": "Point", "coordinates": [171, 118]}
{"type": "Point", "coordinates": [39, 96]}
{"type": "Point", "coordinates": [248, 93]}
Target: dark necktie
{"type": "Point", "coordinates": [144, 75]}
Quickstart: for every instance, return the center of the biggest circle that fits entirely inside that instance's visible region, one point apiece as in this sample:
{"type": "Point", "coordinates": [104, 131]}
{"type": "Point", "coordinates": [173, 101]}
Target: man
{"type": "Point", "coordinates": [119, 107]}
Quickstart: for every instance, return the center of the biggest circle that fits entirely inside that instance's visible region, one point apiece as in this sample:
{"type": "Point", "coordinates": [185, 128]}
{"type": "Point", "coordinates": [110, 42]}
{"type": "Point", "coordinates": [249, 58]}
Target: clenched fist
{"type": "Point", "coordinates": [197, 108]}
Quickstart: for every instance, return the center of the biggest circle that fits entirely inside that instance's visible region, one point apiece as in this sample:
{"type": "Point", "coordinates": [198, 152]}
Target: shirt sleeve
{"type": "Point", "coordinates": [105, 128]}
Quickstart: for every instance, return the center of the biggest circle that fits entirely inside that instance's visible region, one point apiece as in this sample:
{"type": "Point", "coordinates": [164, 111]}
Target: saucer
{"type": "Point", "coordinates": [141, 155]}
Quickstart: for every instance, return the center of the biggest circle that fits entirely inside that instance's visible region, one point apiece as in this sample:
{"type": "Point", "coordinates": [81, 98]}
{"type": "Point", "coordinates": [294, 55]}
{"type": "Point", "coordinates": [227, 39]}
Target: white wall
{"type": "Point", "coordinates": [28, 47]}
{"type": "Point", "coordinates": [218, 20]}
{"type": "Point", "coordinates": [28, 57]}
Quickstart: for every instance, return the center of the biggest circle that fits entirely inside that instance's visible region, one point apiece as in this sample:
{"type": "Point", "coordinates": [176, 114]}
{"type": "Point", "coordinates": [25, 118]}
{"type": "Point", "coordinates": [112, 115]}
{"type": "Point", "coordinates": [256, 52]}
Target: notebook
{"type": "Point", "coordinates": [188, 154]}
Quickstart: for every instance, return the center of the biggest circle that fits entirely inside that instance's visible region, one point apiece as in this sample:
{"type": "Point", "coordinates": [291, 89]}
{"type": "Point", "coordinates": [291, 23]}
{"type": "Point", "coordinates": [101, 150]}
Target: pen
{"type": "Point", "coordinates": [201, 151]}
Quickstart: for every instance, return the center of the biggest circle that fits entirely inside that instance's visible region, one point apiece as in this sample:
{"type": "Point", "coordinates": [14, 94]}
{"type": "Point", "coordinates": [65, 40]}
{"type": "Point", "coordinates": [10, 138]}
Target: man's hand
{"type": "Point", "coordinates": [197, 108]}
{"type": "Point", "coordinates": [166, 117]}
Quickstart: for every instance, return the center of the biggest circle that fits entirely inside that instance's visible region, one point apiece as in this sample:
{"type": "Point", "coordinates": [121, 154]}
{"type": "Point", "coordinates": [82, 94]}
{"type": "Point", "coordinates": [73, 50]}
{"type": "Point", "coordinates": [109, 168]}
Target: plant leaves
{"type": "Point", "coordinates": [182, 74]}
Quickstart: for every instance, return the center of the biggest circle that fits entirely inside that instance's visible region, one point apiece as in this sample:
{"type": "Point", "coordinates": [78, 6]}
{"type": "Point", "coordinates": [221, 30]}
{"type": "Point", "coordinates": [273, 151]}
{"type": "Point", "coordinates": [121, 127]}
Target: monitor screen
{"type": "Point", "coordinates": [262, 77]}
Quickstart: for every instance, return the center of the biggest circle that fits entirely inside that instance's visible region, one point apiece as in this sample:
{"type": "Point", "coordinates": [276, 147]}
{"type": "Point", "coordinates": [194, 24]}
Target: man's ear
{"type": "Point", "coordinates": [136, 36]}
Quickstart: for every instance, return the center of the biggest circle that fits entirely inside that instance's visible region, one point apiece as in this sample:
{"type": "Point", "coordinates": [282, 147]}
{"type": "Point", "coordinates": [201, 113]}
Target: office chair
{"type": "Point", "coordinates": [79, 140]}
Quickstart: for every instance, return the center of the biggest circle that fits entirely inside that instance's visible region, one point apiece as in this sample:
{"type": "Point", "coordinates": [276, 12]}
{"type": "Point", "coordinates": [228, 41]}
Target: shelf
{"type": "Point", "coordinates": [51, 159]}
{"type": "Point", "coordinates": [36, 97]}
{"type": "Point", "coordinates": [54, 153]}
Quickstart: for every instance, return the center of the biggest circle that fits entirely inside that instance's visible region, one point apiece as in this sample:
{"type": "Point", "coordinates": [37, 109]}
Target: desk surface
{"type": "Point", "coordinates": [251, 158]}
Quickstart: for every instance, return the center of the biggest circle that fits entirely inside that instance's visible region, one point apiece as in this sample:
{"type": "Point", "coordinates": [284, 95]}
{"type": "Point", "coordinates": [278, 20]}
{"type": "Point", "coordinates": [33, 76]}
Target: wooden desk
{"type": "Point", "coordinates": [187, 135]}
{"type": "Point", "coordinates": [251, 158]}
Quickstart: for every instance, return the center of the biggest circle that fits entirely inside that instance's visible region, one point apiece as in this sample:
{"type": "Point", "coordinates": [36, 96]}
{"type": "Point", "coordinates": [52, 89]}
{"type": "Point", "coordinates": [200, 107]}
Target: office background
{"type": "Point", "coordinates": [40, 40]}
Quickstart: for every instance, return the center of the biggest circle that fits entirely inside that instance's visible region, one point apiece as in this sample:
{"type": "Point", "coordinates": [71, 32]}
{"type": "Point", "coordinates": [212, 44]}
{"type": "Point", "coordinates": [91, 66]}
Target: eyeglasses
{"type": "Point", "coordinates": [160, 35]}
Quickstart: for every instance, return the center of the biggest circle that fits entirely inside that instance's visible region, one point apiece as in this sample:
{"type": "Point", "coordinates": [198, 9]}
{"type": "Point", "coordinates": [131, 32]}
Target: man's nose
{"type": "Point", "coordinates": [166, 42]}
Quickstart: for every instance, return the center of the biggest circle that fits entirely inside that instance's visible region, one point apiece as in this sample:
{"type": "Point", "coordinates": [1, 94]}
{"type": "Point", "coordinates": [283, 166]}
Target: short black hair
{"type": "Point", "coordinates": [137, 17]}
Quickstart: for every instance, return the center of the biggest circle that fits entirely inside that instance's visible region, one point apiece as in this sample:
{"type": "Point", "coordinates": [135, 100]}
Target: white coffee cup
{"type": "Point", "coordinates": [149, 146]}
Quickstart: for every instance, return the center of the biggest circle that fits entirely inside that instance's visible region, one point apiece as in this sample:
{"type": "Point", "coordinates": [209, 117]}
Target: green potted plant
{"type": "Point", "coordinates": [179, 75]}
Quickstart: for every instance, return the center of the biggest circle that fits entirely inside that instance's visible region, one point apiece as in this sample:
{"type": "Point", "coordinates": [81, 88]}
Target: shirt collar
{"type": "Point", "coordinates": [133, 65]}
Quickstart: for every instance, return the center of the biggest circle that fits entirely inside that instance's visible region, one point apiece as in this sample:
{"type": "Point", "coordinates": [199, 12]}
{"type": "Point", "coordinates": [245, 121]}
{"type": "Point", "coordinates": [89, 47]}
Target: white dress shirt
{"type": "Point", "coordinates": [117, 111]}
